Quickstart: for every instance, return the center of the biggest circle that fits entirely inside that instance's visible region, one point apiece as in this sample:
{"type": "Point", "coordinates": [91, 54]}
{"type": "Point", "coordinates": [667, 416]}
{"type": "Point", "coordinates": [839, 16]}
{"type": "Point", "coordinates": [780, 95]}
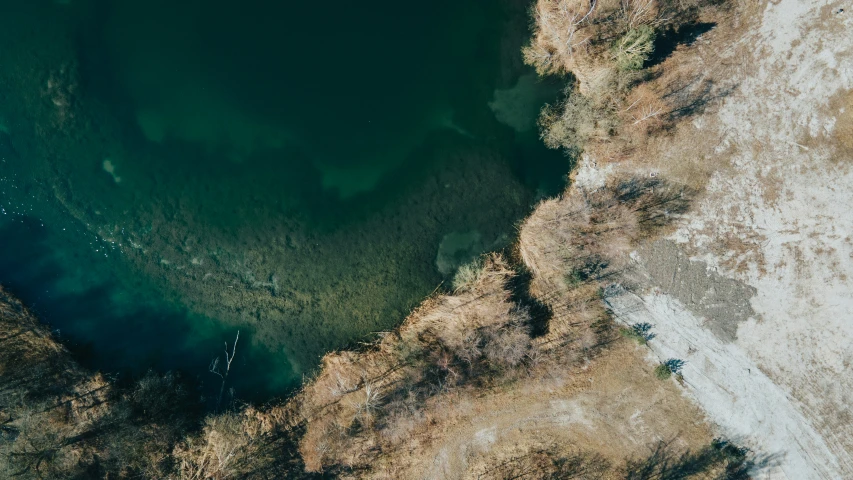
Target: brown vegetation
{"type": "Point", "coordinates": [363, 403]}
{"type": "Point", "coordinates": [627, 89]}
{"type": "Point", "coordinates": [46, 401]}
{"type": "Point", "coordinates": [575, 243]}
{"type": "Point", "coordinates": [586, 38]}
{"type": "Point", "coordinates": [58, 421]}
{"type": "Point", "coordinates": [717, 460]}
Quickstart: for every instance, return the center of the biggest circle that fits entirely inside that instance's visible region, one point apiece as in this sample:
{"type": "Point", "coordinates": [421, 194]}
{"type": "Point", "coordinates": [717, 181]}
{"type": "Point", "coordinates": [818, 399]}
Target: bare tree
{"type": "Point", "coordinates": [366, 405]}
{"type": "Point", "coordinates": [214, 368]}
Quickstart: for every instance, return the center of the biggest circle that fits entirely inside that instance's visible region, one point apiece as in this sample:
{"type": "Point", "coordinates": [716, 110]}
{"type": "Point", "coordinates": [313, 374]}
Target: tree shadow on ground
{"type": "Point", "coordinates": [722, 459]}
{"type": "Point", "coordinates": [669, 40]}
{"type": "Point", "coordinates": [540, 312]}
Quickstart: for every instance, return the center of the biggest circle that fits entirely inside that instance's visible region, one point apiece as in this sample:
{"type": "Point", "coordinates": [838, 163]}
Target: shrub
{"type": "Point", "coordinates": [641, 332]}
{"type": "Point", "coordinates": [575, 278]}
{"type": "Point", "coordinates": [227, 446]}
{"type": "Point", "coordinates": [737, 462]}
{"type": "Point", "coordinates": [563, 28]}
{"type": "Point", "coordinates": [366, 403]}
{"type": "Point", "coordinates": [574, 122]}
{"type": "Point", "coordinates": [468, 275]}
{"type": "Point", "coordinates": [507, 347]}
{"type": "Point", "coordinates": [668, 368]}
{"type": "Point", "coordinates": [634, 48]}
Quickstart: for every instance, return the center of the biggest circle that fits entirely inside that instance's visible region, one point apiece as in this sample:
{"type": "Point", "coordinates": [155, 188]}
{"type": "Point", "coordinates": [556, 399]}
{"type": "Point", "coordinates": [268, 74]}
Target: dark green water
{"type": "Point", "coordinates": [306, 172]}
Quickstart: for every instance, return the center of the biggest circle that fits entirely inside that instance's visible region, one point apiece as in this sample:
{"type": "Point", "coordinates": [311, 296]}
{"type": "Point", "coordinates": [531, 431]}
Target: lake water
{"type": "Point", "coordinates": [304, 172]}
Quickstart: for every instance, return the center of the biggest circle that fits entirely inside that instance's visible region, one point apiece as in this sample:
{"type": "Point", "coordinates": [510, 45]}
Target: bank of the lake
{"type": "Point", "coordinates": [174, 173]}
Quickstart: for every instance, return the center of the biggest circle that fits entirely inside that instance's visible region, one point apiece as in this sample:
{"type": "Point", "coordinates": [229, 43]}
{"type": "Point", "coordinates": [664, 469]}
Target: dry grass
{"type": "Point", "coordinates": [359, 398]}
{"type": "Point", "coordinates": [622, 115]}
{"type": "Point", "coordinates": [574, 410]}
{"type": "Point", "coordinates": [583, 37]}
{"type": "Point", "coordinates": [681, 142]}
{"type": "Point", "coordinates": [228, 446]}
{"type": "Point", "coordinates": [45, 398]}
{"type": "Point", "coordinates": [575, 244]}
{"type": "Point", "coordinates": [585, 234]}
{"type": "Point", "coordinates": [574, 36]}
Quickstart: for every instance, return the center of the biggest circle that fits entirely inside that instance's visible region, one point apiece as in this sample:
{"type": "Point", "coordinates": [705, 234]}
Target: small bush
{"type": "Point", "coordinates": [736, 458]}
{"type": "Point", "coordinates": [663, 372]}
{"type": "Point", "coordinates": [507, 347]}
{"type": "Point", "coordinates": [641, 332]}
{"type": "Point", "coordinates": [468, 275]}
{"type": "Point", "coordinates": [409, 351]}
{"type": "Point", "coordinates": [634, 48]}
{"type": "Point", "coordinates": [574, 122]}
{"type": "Point", "coordinates": [668, 368]}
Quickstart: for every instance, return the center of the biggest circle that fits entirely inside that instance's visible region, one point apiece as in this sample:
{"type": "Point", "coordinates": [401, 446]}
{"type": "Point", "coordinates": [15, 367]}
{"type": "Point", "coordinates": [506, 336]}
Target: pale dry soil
{"type": "Point", "coordinates": [773, 229]}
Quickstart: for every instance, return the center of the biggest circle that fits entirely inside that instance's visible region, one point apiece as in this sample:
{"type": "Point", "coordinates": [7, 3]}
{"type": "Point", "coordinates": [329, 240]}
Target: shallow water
{"type": "Point", "coordinates": [175, 171]}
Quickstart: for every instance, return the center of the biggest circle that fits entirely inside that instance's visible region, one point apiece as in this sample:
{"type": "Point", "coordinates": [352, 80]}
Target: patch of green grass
{"type": "Point", "coordinates": [634, 48]}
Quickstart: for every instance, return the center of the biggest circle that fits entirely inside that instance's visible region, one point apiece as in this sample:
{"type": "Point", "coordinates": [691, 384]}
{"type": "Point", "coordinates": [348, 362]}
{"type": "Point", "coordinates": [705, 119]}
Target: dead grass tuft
{"type": "Point", "coordinates": [842, 135]}
{"type": "Point", "coordinates": [226, 447]}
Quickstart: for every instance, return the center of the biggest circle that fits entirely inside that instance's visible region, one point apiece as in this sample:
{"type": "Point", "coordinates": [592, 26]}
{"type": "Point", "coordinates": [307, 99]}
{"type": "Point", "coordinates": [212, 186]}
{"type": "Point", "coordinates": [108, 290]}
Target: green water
{"type": "Point", "coordinates": [306, 172]}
